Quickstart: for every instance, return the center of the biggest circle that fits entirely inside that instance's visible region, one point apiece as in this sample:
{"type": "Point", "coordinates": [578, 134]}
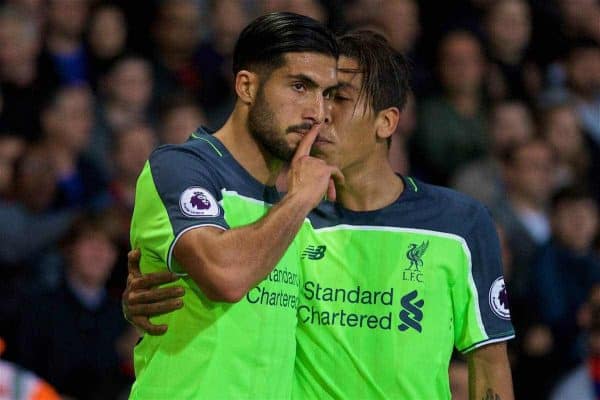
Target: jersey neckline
{"type": "Point", "coordinates": [206, 134]}
{"type": "Point", "coordinates": [410, 190]}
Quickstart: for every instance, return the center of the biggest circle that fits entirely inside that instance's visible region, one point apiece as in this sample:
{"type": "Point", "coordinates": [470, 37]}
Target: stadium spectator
{"type": "Point", "coordinates": [126, 96]}
{"type": "Point", "coordinates": [580, 85]}
{"type": "Point", "coordinates": [106, 39]}
{"type": "Point", "coordinates": [581, 383]}
{"type": "Point", "coordinates": [214, 59]}
{"type": "Point", "coordinates": [64, 51]}
{"type": "Point", "coordinates": [583, 72]}
{"type": "Point", "coordinates": [179, 116]}
{"type": "Point", "coordinates": [508, 31]}
{"type": "Point", "coordinates": [560, 126]}
{"type": "Point", "coordinates": [176, 35]}
{"type": "Point", "coordinates": [76, 349]}
{"type": "Point", "coordinates": [510, 123]}
{"type": "Point", "coordinates": [131, 149]}
{"type": "Point", "coordinates": [67, 120]}
{"type": "Point", "coordinates": [451, 125]}
{"type": "Point", "coordinates": [29, 232]}
{"type": "Point", "coordinates": [11, 148]}
{"type": "Point", "coordinates": [30, 210]}
{"type": "Point", "coordinates": [580, 18]}
{"type": "Point", "coordinates": [566, 270]}
{"type": "Point", "coordinates": [528, 172]}
{"type": "Point", "coordinates": [35, 8]}
{"type": "Point", "coordinates": [23, 88]}
{"type": "Point", "coordinates": [398, 21]}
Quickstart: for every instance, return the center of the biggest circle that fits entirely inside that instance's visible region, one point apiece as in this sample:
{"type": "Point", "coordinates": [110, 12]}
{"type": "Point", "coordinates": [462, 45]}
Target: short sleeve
{"type": "Point", "coordinates": [482, 313]}
{"type": "Point", "coordinates": [177, 191]}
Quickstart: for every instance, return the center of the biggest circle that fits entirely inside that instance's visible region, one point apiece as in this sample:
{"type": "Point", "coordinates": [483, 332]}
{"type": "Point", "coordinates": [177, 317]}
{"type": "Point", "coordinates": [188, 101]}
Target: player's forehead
{"type": "Point", "coordinates": [349, 74]}
{"type": "Point", "coordinates": [316, 67]}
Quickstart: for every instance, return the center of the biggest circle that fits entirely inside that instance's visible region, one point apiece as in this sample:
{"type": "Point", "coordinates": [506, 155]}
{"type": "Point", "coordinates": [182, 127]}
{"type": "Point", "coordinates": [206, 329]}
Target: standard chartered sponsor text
{"type": "Point", "coordinates": [314, 294]}
{"type": "Point", "coordinates": [270, 292]}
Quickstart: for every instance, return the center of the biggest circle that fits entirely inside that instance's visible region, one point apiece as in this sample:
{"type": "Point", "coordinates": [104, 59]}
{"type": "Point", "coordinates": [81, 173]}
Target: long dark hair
{"type": "Point", "coordinates": [385, 72]}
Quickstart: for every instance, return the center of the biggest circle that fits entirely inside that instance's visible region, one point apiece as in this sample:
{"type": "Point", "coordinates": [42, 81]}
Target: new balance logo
{"type": "Point", "coordinates": [411, 315]}
{"type": "Point", "coordinates": [314, 252]}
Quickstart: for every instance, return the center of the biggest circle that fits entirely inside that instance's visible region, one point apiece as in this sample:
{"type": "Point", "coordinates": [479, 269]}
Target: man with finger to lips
{"type": "Point", "coordinates": [209, 211]}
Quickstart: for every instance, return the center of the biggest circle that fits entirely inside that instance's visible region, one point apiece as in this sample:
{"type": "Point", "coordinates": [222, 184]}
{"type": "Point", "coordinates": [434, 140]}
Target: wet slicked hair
{"type": "Point", "coordinates": [385, 80]}
{"type": "Point", "coordinates": [263, 44]}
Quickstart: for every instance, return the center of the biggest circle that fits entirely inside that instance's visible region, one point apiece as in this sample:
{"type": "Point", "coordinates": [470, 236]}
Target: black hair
{"type": "Point", "coordinates": [264, 42]}
{"type": "Point", "coordinates": [511, 153]}
{"type": "Point", "coordinates": [571, 193]}
{"type": "Point", "coordinates": [173, 101]}
{"type": "Point", "coordinates": [53, 97]}
{"type": "Point", "coordinates": [581, 44]}
{"type": "Point", "coordinates": [90, 222]}
{"type": "Point", "coordinates": [385, 73]}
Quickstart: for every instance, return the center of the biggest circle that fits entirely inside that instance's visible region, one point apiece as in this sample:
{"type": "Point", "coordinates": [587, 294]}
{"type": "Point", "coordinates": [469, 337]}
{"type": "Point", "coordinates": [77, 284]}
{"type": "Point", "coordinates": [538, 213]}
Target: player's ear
{"type": "Point", "coordinates": [387, 122]}
{"type": "Point", "coordinates": [246, 86]}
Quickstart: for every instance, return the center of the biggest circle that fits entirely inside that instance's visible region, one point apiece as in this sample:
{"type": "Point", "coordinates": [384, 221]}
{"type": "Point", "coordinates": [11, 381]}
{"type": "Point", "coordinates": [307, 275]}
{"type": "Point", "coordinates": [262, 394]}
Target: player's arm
{"type": "Point", "coordinates": [481, 306]}
{"type": "Point", "coordinates": [144, 298]}
{"type": "Point", "coordinates": [226, 264]}
{"type": "Point", "coordinates": [489, 373]}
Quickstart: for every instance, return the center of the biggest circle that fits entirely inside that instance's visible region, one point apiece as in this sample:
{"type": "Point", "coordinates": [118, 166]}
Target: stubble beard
{"type": "Point", "coordinates": [262, 125]}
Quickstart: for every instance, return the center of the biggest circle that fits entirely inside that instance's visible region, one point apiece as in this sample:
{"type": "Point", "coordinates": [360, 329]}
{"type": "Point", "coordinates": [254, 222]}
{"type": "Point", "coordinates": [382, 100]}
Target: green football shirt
{"type": "Point", "coordinates": [388, 294]}
{"type": "Point", "coordinates": [212, 350]}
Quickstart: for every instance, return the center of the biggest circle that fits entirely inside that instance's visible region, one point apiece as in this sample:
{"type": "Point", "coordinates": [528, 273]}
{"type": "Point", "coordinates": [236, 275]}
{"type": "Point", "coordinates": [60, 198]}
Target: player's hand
{"type": "Point", "coordinates": [311, 177]}
{"type": "Point", "coordinates": [143, 298]}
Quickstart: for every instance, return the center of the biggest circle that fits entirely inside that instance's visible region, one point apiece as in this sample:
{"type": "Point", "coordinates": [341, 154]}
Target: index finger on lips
{"type": "Point", "coordinates": [306, 143]}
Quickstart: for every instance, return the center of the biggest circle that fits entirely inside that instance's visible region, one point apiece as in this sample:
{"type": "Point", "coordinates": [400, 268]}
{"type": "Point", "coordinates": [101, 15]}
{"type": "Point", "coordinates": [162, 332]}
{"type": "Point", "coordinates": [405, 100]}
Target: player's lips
{"type": "Point", "coordinates": [300, 132]}
{"type": "Point", "coordinates": [322, 140]}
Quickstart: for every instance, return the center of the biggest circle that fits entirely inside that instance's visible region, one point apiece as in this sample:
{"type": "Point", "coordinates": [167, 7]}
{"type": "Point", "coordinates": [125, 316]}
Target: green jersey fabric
{"type": "Point", "coordinates": [211, 350]}
{"type": "Point", "coordinates": [388, 294]}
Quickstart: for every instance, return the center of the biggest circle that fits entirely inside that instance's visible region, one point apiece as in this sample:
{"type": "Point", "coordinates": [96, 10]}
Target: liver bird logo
{"type": "Point", "coordinates": [415, 253]}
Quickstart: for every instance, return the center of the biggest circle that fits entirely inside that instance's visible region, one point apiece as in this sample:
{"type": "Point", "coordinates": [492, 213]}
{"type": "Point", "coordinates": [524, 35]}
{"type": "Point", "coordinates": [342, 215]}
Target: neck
{"type": "Point", "coordinates": [120, 115]}
{"type": "Point", "coordinates": [465, 103]}
{"type": "Point", "coordinates": [369, 185]}
{"type": "Point", "coordinates": [525, 203]}
{"type": "Point", "coordinates": [255, 159]}
{"type": "Point", "coordinates": [125, 187]}
{"type": "Point", "coordinates": [174, 60]}
{"type": "Point", "coordinates": [61, 44]}
{"type": "Point", "coordinates": [21, 75]}
{"type": "Point", "coordinates": [83, 288]}
{"type": "Point", "coordinates": [63, 159]}
{"type": "Point", "coordinates": [506, 55]}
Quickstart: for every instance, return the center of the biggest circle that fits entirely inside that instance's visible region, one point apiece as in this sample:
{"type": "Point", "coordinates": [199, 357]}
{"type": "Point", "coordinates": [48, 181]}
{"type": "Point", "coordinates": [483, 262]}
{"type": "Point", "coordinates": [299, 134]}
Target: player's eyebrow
{"type": "Point", "coordinates": [307, 80]}
{"type": "Point", "coordinates": [346, 85]}
{"type": "Point", "coordinates": [310, 82]}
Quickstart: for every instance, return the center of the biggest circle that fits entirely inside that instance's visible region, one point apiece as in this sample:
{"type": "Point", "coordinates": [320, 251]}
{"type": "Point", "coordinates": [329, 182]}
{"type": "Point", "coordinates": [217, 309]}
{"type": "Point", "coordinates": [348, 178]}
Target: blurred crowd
{"type": "Point", "coordinates": [505, 107]}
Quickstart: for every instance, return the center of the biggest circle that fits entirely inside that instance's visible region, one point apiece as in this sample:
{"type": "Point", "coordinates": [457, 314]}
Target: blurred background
{"type": "Point", "coordinates": [506, 108]}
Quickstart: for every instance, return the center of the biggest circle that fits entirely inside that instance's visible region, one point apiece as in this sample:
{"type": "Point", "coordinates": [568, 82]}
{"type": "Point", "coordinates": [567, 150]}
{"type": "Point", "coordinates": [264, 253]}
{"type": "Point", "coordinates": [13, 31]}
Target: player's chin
{"type": "Point", "coordinates": [293, 139]}
{"type": "Point", "coordinates": [325, 153]}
